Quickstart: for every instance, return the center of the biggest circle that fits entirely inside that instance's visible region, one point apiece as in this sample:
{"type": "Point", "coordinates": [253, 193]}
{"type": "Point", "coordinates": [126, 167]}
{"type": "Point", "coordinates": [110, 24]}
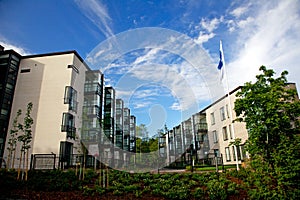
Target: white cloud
{"type": "Point", "coordinates": [98, 14]}
{"type": "Point", "coordinates": [22, 51]}
{"type": "Point", "coordinates": [272, 39]}
{"type": "Point", "coordinates": [169, 60]}
{"type": "Point", "coordinates": [176, 106]}
{"type": "Point", "coordinates": [210, 24]}
{"type": "Point", "coordinates": [203, 37]}
{"type": "Point", "coordinates": [141, 104]}
{"type": "Point", "coordinates": [207, 28]}
{"type": "Point", "coordinates": [239, 11]}
{"type": "Point", "coordinates": [245, 22]}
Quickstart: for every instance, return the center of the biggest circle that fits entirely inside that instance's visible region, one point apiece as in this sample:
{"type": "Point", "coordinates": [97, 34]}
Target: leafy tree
{"type": "Point", "coordinates": [153, 144]}
{"type": "Point", "coordinates": [271, 111]}
{"type": "Point", "coordinates": [141, 131]}
{"type": "Point", "coordinates": [25, 139]}
{"type": "Point", "coordinates": [12, 142]}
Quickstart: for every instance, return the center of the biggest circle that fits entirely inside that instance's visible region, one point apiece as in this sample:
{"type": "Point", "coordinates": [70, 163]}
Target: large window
{"type": "Point", "coordinates": [222, 113]}
{"type": "Point", "coordinates": [71, 98]}
{"type": "Point", "coordinates": [225, 134]}
{"type": "Point", "coordinates": [66, 151]}
{"type": "Point", "coordinates": [227, 152]}
{"type": "Point", "coordinates": [68, 125]}
{"type": "Point", "coordinates": [215, 136]}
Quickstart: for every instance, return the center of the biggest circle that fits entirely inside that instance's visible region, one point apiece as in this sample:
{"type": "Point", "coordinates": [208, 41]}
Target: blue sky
{"type": "Point", "coordinates": [158, 82]}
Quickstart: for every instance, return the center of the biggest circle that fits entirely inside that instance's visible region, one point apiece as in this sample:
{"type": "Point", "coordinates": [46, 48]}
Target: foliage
{"type": "Point", "coordinates": [12, 141]}
{"type": "Point", "coordinates": [271, 112]}
{"type": "Point", "coordinates": [25, 138]}
{"type": "Point", "coordinates": [236, 142]}
{"type": "Point", "coordinates": [141, 131]}
{"type": "Point", "coordinates": [168, 186]}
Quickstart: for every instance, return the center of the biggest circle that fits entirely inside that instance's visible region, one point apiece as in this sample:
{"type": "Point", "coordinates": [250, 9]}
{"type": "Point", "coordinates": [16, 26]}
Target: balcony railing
{"type": "Point", "coordinates": [71, 131]}
{"type": "Point", "coordinates": [201, 127]}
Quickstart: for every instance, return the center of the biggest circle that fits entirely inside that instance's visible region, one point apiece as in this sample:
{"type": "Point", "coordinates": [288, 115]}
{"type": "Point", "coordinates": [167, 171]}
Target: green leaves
{"type": "Point", "coordinates": [271, 112]}
{"type": "Point", "coordinates": [26, 137]}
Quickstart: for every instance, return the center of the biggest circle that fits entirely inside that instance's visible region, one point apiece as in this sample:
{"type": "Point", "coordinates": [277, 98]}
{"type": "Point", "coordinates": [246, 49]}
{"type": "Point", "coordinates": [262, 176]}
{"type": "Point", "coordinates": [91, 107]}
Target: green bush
{"type": "Point", "coordinates": [216, 189]}
{"type": "Point", "coordinates": [199, 193]}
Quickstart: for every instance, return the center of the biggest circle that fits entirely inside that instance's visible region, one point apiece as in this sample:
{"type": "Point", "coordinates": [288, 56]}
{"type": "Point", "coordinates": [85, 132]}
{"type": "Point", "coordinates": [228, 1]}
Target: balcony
{"type": "Point", "coordinates": [201, 127]}
{"type": "Point", "coordinates": [71, 131]}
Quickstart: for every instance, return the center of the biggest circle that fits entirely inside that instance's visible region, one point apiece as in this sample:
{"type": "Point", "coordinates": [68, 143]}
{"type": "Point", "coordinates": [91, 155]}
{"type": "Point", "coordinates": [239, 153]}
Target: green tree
{"type": "Point", "coordinates": [25, 140]}
{"type": "Point", "coordinates": [12, 142]}
{"type": "Point", "coordinates": [271, 112]}
{"type": "Point", "coordinates": [141, 131]}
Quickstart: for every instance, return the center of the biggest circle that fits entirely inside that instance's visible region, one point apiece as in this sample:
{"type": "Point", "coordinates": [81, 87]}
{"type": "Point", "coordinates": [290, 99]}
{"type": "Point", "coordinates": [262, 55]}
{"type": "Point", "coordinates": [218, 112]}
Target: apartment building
{"type": "Point", "coordinates": [54, 83]}
{"type": "Point", "coordinates": [119, 130]}
{"type": "Point", "coordinates": [221, 130]}
{"type": "Point", "coordinates": [73, 112]}
{"type": "Point", "coordinates": [207, 134]}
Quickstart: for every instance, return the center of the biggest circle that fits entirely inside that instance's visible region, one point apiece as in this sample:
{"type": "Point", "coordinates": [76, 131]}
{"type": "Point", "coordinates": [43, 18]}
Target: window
{"type": "Point", "coordinates": [66, 150]}
{"type": "Point", "coordinates": [227, 152]}
{"type": "Point", "coordinates": [222, 113]}
{"type": "Point", "coordinates": [230, 131]}
{"type": "Point", "coordinates": [215, 135]}
{"type": "Point", "coordinates": [217, 152]}
{"type": "Point", "coordinates": [238, 153]}
{"type": "Point", "coordinates": [243, 151]}
{"type": "Point", "coordinates": [212, 118]}
{"type": "Point", "coordinates": [71, 98]}
{"type": "Point", "coordinates": [227, 111]}
{"type": "Point", "coordinates": [233, 153]}
{"type": "Point", "coordinates": [225, 134]}
{"type": "Point", "coordinates": [68, 125]}
{"type": "Point", "coordinates": [93, 87]}
{"type": "Point", "coordinates": [25, 70]}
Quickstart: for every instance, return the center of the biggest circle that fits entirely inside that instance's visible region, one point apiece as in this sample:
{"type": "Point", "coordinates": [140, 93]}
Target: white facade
{"type": "Point", "coordinates": [221, 130]}
{"type": "Point", "coordinates": [42, 80]}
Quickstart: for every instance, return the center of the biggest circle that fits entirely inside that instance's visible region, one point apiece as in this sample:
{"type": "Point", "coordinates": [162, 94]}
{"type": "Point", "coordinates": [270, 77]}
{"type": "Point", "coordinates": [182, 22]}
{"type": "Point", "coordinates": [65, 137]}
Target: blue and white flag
{"type": "Point", "coordinates": [221, 62]}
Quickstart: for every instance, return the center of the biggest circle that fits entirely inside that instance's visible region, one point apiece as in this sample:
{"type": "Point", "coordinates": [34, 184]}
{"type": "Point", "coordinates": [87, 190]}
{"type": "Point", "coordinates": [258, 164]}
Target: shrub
{"type": "Point", "coordinates": [216, 189]}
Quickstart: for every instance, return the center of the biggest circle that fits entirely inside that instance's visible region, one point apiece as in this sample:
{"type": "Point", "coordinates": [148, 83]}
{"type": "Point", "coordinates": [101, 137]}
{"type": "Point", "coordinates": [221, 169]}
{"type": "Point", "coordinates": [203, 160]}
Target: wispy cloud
{"type": "Point", "coordinates": [272, 39]}
{"type": "Point", "coordinates": [239, 11]}
{"type": "Point", "coordinates": [97, 12]}
{"type": "Point", "coordinates": [166, 58]}
{"type": "Point", "coordinates": [7, 45]}
{"type": "Point", "coordinates": [206, 29]}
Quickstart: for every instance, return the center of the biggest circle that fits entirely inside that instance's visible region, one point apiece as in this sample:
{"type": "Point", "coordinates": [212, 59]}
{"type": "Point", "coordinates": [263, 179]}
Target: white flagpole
{"type": "Point", "coordinates": [229, 106]}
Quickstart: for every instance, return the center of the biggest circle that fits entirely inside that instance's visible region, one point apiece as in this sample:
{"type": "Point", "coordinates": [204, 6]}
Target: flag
{"type": "Point", "coordinates": [221, 62]}
{"type": "Point", "coordinates": [221, 57]}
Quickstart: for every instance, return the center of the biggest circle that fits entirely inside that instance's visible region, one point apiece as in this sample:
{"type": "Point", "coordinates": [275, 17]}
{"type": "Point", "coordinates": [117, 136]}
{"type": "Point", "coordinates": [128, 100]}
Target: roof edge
{"type": "Point", "coordinates": [58, 53]}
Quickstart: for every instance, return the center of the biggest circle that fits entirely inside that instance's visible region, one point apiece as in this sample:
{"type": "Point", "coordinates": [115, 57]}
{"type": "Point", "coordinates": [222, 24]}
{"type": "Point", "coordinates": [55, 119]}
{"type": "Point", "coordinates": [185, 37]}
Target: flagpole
{"type": "Point", "coordinates": [229, 104]}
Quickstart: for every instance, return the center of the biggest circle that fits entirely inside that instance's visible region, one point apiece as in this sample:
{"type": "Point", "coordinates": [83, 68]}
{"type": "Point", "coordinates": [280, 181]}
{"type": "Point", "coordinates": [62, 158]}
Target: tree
{"type": "Point", "coordinates": [271, 112]}
{"type": "Point", "coordinates": [141, 131]}
{"type": "Point", "coordinates": [25, 140]}
{"type": "Point", "coordinates": [12, 142]}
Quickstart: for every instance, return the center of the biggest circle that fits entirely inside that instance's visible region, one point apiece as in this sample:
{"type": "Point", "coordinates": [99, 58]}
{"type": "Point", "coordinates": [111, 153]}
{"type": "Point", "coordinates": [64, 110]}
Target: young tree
{"type": "Point", "coordinates": [25, 139]}
{"type": "Point", "coordinates": [271, 111]}
{"type": "Point", "coordinates": [12, 142]}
